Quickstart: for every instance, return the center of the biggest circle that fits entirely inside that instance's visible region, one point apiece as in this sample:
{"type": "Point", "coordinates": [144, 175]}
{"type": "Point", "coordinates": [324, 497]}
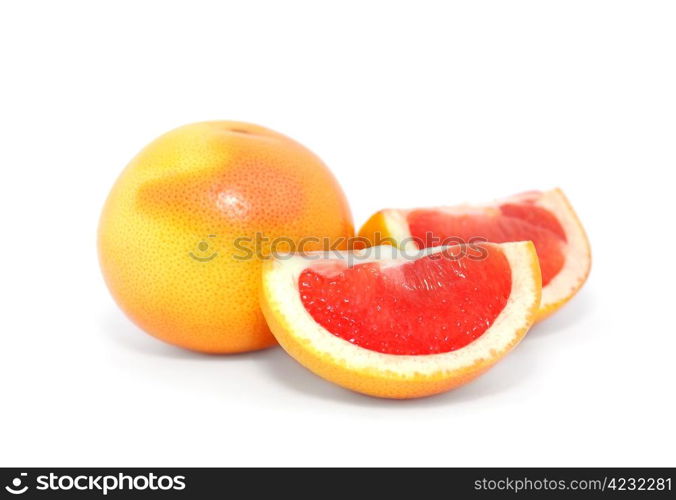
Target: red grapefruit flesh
{"type": "Point", "coordinates": [513, 222]}
{"type": "Point", "coordinates": [438, 303]}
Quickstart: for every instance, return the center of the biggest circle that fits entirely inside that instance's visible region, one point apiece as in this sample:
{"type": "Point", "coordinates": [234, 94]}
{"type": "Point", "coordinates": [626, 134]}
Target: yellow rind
{"type": "Point", "coordinates": [546, 311]}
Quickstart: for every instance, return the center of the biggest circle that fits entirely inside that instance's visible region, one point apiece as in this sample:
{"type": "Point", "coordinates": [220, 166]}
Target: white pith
{"type": "Point", "coordinates": [280, 284]}
{"type": "Point", "coordinates": [576, 249]}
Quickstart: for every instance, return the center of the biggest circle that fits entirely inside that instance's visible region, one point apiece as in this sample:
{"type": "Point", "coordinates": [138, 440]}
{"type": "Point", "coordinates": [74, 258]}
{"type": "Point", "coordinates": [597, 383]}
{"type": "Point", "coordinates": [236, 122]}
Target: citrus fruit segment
{"type": "Point", "coordinates": [545, 218]}
{"type": "Point", "coordinates": [402, 324]}
{"type": "Point", "coordinates": [183, 230]}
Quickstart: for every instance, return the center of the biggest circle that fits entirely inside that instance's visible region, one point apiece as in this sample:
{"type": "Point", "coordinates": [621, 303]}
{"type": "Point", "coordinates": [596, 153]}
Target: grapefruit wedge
{"type": "Point", "coordinates": [397, 324]}
{"type": "Point", "coordinates": [545, 218]}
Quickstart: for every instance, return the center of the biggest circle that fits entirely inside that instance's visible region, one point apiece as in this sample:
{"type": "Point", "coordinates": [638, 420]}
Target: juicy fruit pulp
{"type": "Point", "coordinates": [508, 222]}
{"type": "Point", "coordinates": [436, 304]}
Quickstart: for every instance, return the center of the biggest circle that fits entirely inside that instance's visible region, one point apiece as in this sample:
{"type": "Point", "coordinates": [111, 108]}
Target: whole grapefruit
{"type": "Point", "coordinates": [189, 221]}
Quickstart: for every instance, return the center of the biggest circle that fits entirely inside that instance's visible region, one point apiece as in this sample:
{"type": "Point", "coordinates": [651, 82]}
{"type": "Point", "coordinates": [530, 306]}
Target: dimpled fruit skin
{"type": "Point", "coordinates": [194, 191]}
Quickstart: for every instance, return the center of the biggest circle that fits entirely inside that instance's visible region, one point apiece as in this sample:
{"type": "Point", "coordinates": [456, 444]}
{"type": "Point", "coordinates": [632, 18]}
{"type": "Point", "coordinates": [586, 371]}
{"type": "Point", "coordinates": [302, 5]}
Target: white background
{"type": "Point", "coordinates": [410, 104]}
